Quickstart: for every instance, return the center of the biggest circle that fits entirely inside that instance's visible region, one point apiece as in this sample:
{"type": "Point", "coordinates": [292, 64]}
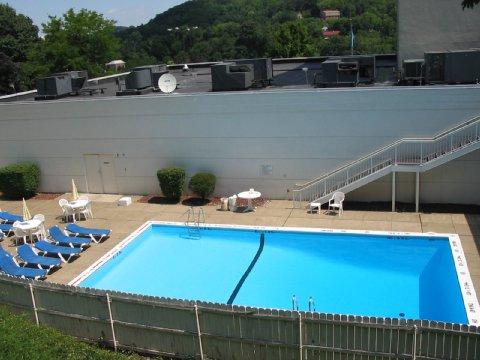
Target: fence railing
{"type": "Point", "coordinates": [411, 152]}
{"type": "Point", "coordinates": [204, 330]}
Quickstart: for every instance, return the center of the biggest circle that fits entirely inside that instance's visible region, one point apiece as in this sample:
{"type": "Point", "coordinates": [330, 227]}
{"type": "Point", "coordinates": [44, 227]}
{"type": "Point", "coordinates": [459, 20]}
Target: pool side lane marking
{"type": "Point", "coordinates": [472, 307]}
{"type": "Point", "coordinates": [247, 272]}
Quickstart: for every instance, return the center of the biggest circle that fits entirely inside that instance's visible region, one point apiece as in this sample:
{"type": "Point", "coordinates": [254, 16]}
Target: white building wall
{"type": "Point", "coordinates": [301, 134]}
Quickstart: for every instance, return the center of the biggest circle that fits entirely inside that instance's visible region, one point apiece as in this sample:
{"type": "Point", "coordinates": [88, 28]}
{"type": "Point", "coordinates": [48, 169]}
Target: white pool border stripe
{"type": "Point", "coordinates": [470, 300]}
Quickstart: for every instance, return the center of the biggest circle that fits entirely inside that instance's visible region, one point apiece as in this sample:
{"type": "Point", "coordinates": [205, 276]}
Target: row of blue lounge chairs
{"type": "Point", "coordinates": [49, 255]}
{"type": "Point", "coordinates": [6, 217]}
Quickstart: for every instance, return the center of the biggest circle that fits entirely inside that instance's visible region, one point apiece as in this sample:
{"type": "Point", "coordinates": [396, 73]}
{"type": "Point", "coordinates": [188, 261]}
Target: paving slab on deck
{"type": "Point", "coordinates": [124, 220]}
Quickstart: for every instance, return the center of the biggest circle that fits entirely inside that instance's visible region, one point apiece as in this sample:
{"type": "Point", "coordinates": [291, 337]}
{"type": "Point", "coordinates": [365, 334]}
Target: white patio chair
{"type": "Point", "coordinates": [40, 232]}
{"type": "Point", "coordinates": [336, 202]}
{"type": "Point", "coordinates": [67, 210]}
{"type": "Point", "coordinates": [19, 234]}
{"type": "Point", "coordinates": [85, 211]}
{"type": "Point", "coordinates": [232, 203]}
{"type": "Point", "coordinates": [315, 206]}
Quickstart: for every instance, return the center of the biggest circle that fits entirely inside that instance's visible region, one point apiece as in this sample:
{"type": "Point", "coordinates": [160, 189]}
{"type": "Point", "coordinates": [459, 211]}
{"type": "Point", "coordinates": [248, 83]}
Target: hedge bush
{"type": "Point", "coordinates": [171, 181]}
{"type": "Point", "coordinates": [19, 180]}
{"type": "Point", "coordinates": [202, 184]}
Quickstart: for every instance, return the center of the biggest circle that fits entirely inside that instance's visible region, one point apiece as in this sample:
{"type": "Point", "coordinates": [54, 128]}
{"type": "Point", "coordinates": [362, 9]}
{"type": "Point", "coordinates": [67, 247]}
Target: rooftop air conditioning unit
{"type": "Point", "coordinates": [366, 67]}
{"type": "Point", "coordinates": [78, 78]}
{"type": "Point", "coordinates": [434, 67]}
{"type": "Point", "coordinates": [138, 79]}
{"type": "Point", "coordinates": [53, 86]}
{"type": "Point", "coordinates": [229, 76]}
{"type": "Point", "coordinates": [336, 72]}
{"type": "Point", "coordinates": [155, 72]}
{"type": "Point", "coordinates": [413, 70]}
{"type": "Point", "coordinates": [262, 70]}
{"type": "Point", "coordinates": [462, 66]}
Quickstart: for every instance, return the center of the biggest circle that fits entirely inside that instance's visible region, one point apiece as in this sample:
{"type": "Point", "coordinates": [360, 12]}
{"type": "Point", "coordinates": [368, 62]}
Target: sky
{"type": "Point", "coordinates": [125, 12]}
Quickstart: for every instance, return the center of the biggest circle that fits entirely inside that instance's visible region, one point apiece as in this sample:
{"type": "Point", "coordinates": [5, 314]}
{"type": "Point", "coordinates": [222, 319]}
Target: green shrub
{"type": "Point", "coordinates": [202, 184]}
{"type": "Point", "coordinates": [19, 180]}
{"type": "Point", "coordinates": [171, 182]}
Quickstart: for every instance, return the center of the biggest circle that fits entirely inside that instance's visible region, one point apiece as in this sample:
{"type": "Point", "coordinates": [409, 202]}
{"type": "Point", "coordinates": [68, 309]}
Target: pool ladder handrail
{"type": "Point", "coordinates": [294, 303]}
{"type": "Point", "coordinates": [192, 224]}
{"type": "Point", "coordinates": [311, 304]}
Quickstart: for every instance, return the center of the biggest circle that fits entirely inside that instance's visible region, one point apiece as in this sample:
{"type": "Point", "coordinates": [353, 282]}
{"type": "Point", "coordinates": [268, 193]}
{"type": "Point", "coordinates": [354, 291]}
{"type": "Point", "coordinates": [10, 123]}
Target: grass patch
{"type": "Point", "coordinates": [22, 339]}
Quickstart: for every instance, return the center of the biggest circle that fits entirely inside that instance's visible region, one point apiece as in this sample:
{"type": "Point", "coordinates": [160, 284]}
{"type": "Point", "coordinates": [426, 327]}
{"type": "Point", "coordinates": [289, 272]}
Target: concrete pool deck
{"type": "Point", "coordinates": [124, 220]}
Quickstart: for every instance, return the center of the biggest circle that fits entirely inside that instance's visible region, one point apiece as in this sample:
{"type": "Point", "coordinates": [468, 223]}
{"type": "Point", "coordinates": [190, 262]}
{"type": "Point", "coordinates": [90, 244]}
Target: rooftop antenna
{"type": "Point", "coordinates": [167, 83]}
{"type": "Point", "coordinates": [305, 70]}
{"type": "Point", "coordinates": [352, 37]}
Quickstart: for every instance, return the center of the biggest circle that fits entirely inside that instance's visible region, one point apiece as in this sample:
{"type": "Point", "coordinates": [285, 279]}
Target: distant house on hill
{"type": "Point", "coordinates": [331, 14]}
{"type": "Point", "coordinates": [330, 33]}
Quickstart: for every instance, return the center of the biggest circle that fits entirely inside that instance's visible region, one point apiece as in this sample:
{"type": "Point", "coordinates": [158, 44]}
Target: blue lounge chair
{"type": "Point", "coordinates": [97, 235]}
{"type": "Point", "coordinates": [65, 253]}
{"type": "Point", "coordinates": [10, 267]}
{"type": "Point", "coordinates": [5, 216]}
{"type": "Point", "coordinates": [59, 238]}
{"type": "Point", "coordinates": [3, 252]}
{"type": "Point", "coordinates": [30, 257]}
{"type": "Point", "coordinates": [6, 229]}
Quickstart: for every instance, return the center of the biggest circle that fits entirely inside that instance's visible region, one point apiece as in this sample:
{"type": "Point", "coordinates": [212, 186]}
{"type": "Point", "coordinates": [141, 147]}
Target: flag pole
{"type": "Point", "coordinates": [351, 37]}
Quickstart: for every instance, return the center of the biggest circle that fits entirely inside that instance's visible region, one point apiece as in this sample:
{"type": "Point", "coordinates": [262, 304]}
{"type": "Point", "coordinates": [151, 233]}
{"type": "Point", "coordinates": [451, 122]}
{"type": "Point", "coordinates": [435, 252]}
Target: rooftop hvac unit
{"type": "Point", "coordinates": [54, 86]}
{"type": "Point", "coordinates": [336, 72]}
{"type": "Point", "coordinates": [262, 70]}
{"type": "Point", "coordinates": [139, 78]}
{"type": "Point", "coordinates": [78, 78]}
{"type": "Point", "coordinates": [413, 70]}
{"type": "Point", "coordinates": [434, 67]}
{"type": "Point", "coordinates": [229, 76]}
{"type": "Point", "coordinates": [366, 67]}
{"type": "Point", "coordinates": [155, 72]}
{"type": "Point", "coordinates": [462, 66]}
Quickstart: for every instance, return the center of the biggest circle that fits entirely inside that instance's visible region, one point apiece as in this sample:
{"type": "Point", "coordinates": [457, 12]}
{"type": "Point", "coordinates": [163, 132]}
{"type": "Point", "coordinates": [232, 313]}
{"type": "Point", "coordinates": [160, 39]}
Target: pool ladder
{"type": "Point", "coordinates": [311, 304]}
{"type": "Point", "coordinates": [193, 221]}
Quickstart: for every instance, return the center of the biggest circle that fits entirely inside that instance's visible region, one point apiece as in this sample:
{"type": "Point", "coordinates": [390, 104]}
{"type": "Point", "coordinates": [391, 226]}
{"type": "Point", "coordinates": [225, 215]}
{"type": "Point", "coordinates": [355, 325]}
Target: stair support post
{"type": "Point", "coordinates": [393, 190]}
{"type": "Point", "coordinates": [417, 191]}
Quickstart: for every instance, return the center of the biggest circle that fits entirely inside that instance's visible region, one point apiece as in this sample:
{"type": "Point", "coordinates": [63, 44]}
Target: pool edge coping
{"type": "Point", "coordinates": [469, 296]}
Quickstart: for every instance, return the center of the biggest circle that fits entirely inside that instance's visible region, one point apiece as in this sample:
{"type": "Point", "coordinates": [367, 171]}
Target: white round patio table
{"type": "Point", "coordinates": [79, 204]}
{"type": "Point", "coordinates": [28, 226]}
{"type": "Point", "coordinates": [249, 195]}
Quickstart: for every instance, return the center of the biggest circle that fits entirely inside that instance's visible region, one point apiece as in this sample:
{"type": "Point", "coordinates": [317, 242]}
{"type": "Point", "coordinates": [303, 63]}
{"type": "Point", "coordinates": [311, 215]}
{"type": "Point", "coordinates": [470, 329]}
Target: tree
{"type": "Point", "coordinates": [17, 33]}
{"type": "Point", "coordinates": [210, 30]}
{"type": "Point", "coordinates": [17, 36]}
{"type": "Point", "coordinates": [82, 40]}
{"type": "Point", "coordinates": [470, 3]}
{"type": "Point", "coordinates": [8, 74]}
{"type": "Point", "coordinates": [133, 51]}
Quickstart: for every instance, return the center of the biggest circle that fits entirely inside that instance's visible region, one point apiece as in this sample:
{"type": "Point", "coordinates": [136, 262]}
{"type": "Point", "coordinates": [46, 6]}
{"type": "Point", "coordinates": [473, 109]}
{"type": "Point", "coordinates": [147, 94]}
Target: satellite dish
{"type": "Point", "coordinates": [167, 83]}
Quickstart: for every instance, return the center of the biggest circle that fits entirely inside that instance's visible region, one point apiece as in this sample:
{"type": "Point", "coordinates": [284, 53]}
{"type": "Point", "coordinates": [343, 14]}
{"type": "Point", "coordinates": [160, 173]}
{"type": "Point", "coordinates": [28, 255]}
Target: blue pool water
{"type": "Point", "coordinates": [373, 275]}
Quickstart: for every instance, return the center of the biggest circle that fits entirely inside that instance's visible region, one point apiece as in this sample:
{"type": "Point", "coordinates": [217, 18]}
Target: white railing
{"type": "Point", "coordinates": [404, 152]}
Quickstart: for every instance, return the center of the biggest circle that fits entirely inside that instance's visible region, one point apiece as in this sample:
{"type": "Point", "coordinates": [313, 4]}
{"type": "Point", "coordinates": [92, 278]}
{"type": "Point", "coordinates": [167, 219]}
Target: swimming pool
{"type": "Point", "coordinates": [416, 276]}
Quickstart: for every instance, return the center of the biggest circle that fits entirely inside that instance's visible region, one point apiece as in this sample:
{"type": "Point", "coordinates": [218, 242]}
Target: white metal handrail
{"type": "Point", "coordinates": [408, 151]}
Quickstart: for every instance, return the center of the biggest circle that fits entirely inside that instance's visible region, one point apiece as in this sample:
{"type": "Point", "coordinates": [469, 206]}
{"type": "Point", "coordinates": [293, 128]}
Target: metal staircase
{"type": "Point", "coordinates": [405, 155]}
